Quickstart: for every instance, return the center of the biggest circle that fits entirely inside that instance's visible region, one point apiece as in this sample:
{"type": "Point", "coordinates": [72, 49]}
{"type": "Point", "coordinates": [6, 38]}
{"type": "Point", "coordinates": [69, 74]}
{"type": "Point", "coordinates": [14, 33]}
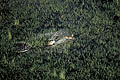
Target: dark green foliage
{"type": "Point", "coordinates": [94, 54]}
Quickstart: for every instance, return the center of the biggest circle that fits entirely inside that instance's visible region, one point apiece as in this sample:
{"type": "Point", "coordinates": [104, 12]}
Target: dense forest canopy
{"type": "Point", "coordinates": [93, 54]}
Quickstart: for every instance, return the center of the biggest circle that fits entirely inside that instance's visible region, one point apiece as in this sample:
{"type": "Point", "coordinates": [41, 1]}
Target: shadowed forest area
{"type": "Point", "coordinates": [94, 54]}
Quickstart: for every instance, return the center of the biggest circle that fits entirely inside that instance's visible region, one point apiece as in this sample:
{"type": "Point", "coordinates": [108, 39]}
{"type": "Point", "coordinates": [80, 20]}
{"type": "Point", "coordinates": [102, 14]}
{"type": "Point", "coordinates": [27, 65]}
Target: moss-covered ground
{"type": "Point", "coordinates": [94, 54]}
